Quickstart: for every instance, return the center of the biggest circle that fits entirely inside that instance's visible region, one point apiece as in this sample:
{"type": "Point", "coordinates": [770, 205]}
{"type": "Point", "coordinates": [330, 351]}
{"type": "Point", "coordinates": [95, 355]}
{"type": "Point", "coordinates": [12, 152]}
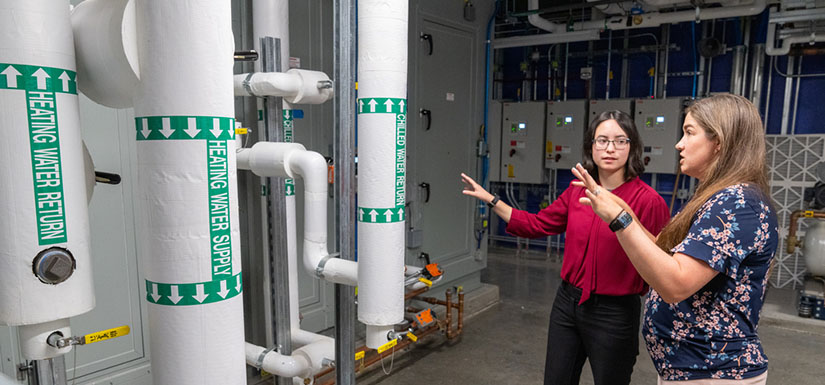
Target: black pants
{"type": "Point", "coordinates": [604, 329]}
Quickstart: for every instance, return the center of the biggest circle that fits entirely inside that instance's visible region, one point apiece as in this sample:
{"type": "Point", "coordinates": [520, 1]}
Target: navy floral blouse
{"type": "Point", "coordinates": [712, 334]}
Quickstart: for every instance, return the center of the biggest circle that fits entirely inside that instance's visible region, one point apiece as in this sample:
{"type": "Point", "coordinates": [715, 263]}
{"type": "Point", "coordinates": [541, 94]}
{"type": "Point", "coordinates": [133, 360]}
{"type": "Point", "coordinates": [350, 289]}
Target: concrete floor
{"type": "Point", "coordinates": [506, 343]}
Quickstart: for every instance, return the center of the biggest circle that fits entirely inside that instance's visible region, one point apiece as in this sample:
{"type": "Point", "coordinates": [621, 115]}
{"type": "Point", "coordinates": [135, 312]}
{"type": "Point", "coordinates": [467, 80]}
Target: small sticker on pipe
{"type": "Point", "coordinates": [384, 347]}
{"type": "Point", "coordinates": [360, 355]}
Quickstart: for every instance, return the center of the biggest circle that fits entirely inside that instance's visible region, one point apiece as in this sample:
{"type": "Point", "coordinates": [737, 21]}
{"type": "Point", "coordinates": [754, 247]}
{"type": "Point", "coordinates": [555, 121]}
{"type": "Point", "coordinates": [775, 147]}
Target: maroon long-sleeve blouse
{"type": "Point", "coordinates": [594, 261]}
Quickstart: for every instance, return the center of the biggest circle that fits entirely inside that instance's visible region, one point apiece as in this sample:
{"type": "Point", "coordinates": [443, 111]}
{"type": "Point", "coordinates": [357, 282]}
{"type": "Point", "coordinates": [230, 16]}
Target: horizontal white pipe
{"type": "Point", "coordinates": [771, 50]}
{"type": "Point", "coordinates": [295, 365]}
{"type": "Point", "coordinates": [559, 33]}
{"type": "Point", "coordinates": [295, 86]}
{"type": "Point", "coordinates": [292, 160]}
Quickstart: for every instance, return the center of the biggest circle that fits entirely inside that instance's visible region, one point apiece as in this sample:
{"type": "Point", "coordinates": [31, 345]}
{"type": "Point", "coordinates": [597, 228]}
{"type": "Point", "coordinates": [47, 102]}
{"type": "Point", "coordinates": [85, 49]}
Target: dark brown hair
{"type": "Point", "coordinates": [634, 166]}
{"type": "Point", "coordinates": [734, 124]}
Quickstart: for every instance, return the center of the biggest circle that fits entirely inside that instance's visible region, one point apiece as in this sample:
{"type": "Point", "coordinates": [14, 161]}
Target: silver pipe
{"type": "Point", "coordinates": [787, 100]}
{"type": "Point", "coordinates": [736, 69]}
{"type": "Point", "coordinates": [798, 15]}
{"type": "Point", "coordinates": [626, 44]}
{"type": "Point", "coordinates": [666, 31]}
{"type": "Point", "coordinates": [747, 43]}
{"type": "Point", "coordinates": [700, 78]}
{"type": "Point", "coordinates": [710, 60]}
{"type": "Point", "coordinates": [607, 75]}
{"type": "Point", "coordinates": [768, 92]}
{"type": "Point", "coordinates": [344, 158]}
{"type": "Point", "coordinates": [566, 59]}
{"type": "Point", "coordinates": [276, 203]}
{"type": "Point", "coordinates": [757, 69]}
{"type": "Point", "coordinates": [796, 96]}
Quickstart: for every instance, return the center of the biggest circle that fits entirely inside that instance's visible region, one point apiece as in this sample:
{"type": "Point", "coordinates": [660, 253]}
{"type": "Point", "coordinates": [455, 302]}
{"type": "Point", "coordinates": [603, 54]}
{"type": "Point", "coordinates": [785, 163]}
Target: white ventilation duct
{"type": "Point", "coordinates": [45, 225]}
{"type": "Point", "coordinates": [190, 246]}
{"type": "Point", "coordinates": [382, 125]}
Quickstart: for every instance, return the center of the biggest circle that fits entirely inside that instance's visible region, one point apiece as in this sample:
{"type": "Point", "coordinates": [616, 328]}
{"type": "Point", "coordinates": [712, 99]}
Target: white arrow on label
{"type": "Point", "coordinates": [175, 298]}
{"type": "Point", "coordinates": [216, 127]}
{"type": "Point", "coordinates": [238, 283]}
{"type": "Point", "coordinates": [145, 131]}
{"type": "Point", "coordinates": [287, 114]}
{"type": "Point", "coordinates": [191, 127]}
{"type": "Point", "coordinates": [41, 76]}
{"type": "Point", "coordinates": [360, 105]}
{"type": "Point", "coordinates": [167, 127]}
{"type": "Point", "coordinates": [11, 76]}
{"type": "Point", "coordinates": [224, 291]}
{"type": "Point", "coordinates": [388, 215]}
{"type": "Point", "coordinates": [361, 215]}
{"type": "Point", "coordinates": [155, 295]}
{"type": "Point", "coordinates": [373, 215]}
{"type": "Point", "coordinates": [65, 78]}
{"type": "Point", "coordinates": [389, 105]}
{"type": "Point", "coordinates": [401, 214]}
{"type": "Point", "coordinates": [401, 106]}
{"type": "Point", "coordinates": [372, 104]}
{"type": "Point", "coordinates": [199, 294]}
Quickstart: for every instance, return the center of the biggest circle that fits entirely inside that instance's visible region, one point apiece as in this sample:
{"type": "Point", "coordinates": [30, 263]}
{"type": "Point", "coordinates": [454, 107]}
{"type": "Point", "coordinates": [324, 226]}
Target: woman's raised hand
{"type": "Point", "coordinates": [473, 189]}
{"type": "Point", "coordinates": [606, 205]}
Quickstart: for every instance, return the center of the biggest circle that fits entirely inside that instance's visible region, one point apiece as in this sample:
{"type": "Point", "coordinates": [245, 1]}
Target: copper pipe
{"type": "Point", "coordinates": [416, 293]}
{"type": "Point", "coordinates": [460, 312]}
{"type": "Point", "coordinates": [376, 357]}
{"type": "Point", "coordinates": [792, 242]}
{"type": "Point", "coordinates": [448, 296]}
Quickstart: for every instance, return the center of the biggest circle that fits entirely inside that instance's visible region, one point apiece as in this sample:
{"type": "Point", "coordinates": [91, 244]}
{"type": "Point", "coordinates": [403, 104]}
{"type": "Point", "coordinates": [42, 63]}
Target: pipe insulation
{"type": "Point", "coordinates": [45, 225]}
{"type": "Point", "coordinates": [382, 125]}
{"type": "Point", "coordinates": [106, 47]}
{"type": "Point", "coordinates": [187, 190]}
{"type": "Point", "coordinates": [304, 362]}
{"type": "Point", "coordinates": [296, 86]}
{"type": "Point", "coordinates": [290, 160]}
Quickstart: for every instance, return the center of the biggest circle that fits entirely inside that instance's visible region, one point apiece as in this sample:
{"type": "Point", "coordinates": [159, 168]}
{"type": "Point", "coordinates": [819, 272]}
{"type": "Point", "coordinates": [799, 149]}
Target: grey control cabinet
{"type": "Point", "coordinates": [522, 142]}
{"type": "Point", "coordinates": [599, 106]}
{"type": "Point", "coordinates": [566, 123]}
{"type": "Point", "coordinates": [659, 122]}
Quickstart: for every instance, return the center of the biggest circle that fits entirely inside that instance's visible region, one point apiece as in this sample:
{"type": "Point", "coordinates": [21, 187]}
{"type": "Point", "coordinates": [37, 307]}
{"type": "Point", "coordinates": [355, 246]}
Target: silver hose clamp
{"type": "Point", "coordinates": [260, 361]}
{"type": "Point", "coordinates": [246, 85]}
{"type": "Point", "coordinates": [319, 270]}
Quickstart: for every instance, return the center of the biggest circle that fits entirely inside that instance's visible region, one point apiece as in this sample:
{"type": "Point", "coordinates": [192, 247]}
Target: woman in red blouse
{"type": "Point", "coordinates": [597, 308]}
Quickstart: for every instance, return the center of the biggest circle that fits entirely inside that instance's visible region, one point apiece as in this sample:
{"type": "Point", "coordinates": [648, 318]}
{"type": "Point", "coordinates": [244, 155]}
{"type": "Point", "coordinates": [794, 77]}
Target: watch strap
{"type": "Point", "coordinates": [621, 221]}
{"type": "Point", "coordinates": [493, 202]}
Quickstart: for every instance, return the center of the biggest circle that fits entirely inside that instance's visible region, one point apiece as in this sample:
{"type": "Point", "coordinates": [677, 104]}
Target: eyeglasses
{"type": "Point", "coordinates": [619, 143]}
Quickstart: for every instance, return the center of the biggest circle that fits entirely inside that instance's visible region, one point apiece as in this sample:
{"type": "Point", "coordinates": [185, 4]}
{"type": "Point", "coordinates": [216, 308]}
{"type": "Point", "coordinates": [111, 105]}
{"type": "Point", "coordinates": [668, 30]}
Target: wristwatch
{"type": "Point", "coordinates": [493, 202]}
{"type": "Point", "coordinates": [621, 222]}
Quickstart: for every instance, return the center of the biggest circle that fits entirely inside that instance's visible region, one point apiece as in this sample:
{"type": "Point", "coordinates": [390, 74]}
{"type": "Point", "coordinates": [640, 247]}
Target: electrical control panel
{"type": "Point", "coordinates": [599, 106]}
{"type": "Point", "coordinates": [494, 140]}
{"type": "Point", "coordinates": [566, 122]}
{"type": "Point", "coordinates": [522, 142]}
{"type": "Point", "coordinates": [659, 122]}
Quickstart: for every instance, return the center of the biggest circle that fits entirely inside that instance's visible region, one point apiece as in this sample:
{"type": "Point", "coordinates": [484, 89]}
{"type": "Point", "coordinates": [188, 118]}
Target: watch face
{"type": "Point", "coordinates": [625, 219]}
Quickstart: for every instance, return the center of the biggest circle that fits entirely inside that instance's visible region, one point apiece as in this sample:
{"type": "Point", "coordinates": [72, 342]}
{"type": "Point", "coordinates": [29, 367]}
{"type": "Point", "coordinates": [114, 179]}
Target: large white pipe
{"type": "Point", "coordinates": [382, 125]}
{"type": "Point", "coordinates": [190, 238]}
{"type": "Point", "coordinates": [293, 160]}
{"type": "Point", "coordinates": [785, 48]}
{"type": "Point", "coordinates": [296, 86]}
{"type": "Point", "coordinates": [304, 362]}
{"type": "Point", "coordinates": [45, 227]}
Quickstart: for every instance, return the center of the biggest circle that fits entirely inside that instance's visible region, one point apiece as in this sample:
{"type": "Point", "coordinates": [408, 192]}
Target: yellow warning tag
{"type": "Point", "coordinates": [360, 355]}
{"type": "Point", "coordinates": [548, 147]}
{"type": "Point", "coordinates": [384, 347]}
{"type": "Point", "coordinates": [426, 282]}
{"type": "Point", "coordinates": [412, 337]}
{"type": "Point", "coordinates": [105, 335]}
{"type": "Point", "coordinates": [265, 374]}
{"type": "Point", "coordinates": [510, 173]}
{"type": "Point", "coordinates": [809, 214]}
{"type": "Point", "coordinates": [241, 131]}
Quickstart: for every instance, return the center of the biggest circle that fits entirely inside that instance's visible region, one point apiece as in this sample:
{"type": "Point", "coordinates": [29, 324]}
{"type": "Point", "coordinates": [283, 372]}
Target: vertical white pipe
{"type": "Point", "coordinates": [187, 181]}
{"type": "Point", "coordinates": [43, 191]}
{"type": "Point", "coordinates": [382, 82]}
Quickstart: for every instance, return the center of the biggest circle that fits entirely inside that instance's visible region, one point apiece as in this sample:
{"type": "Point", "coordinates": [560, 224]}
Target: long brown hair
{"type": "Point", "coordinates": [634, 166]}
{"type": "Point", "coordinates": [734, 124]}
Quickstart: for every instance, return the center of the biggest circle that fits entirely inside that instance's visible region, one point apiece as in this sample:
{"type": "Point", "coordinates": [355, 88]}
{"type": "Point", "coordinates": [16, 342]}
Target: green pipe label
{"type": "Point", "coordinates": [199, 293]}
{"type": "Point", "coordinates": [382, 106]}
{"type": "Point", "coordinates": [37, 78]}
{"type": "Point", "coordinates": [220, 235]}
{"type": "Point", "coordinates": [216, 132]}
{"type": "Point", "coordinates": [47, 172]}
{"type": "Point", "coordinates": [184, 128]}
{"type": "Point", "coordinates": [393, 214]}
{"type": "Point", "coordinates": [289, 183]}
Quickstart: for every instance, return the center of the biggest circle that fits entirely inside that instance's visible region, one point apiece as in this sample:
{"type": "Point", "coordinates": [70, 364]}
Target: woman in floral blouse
{"type": "Point", "coordinates": [708, 268]}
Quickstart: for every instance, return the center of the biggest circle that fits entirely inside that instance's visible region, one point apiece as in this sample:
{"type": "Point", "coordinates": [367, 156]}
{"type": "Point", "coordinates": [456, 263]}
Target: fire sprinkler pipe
{"type": "Point", "coordinates": [792, 242]}
{"type": "Point", "coordinates": [382, 125]}
{"type": "Point", "coordinates": [291, 160]}
{"type": "Point", "coordinates": [45, 263]}
{"type": "Point", "coordinates": [187, 184]}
